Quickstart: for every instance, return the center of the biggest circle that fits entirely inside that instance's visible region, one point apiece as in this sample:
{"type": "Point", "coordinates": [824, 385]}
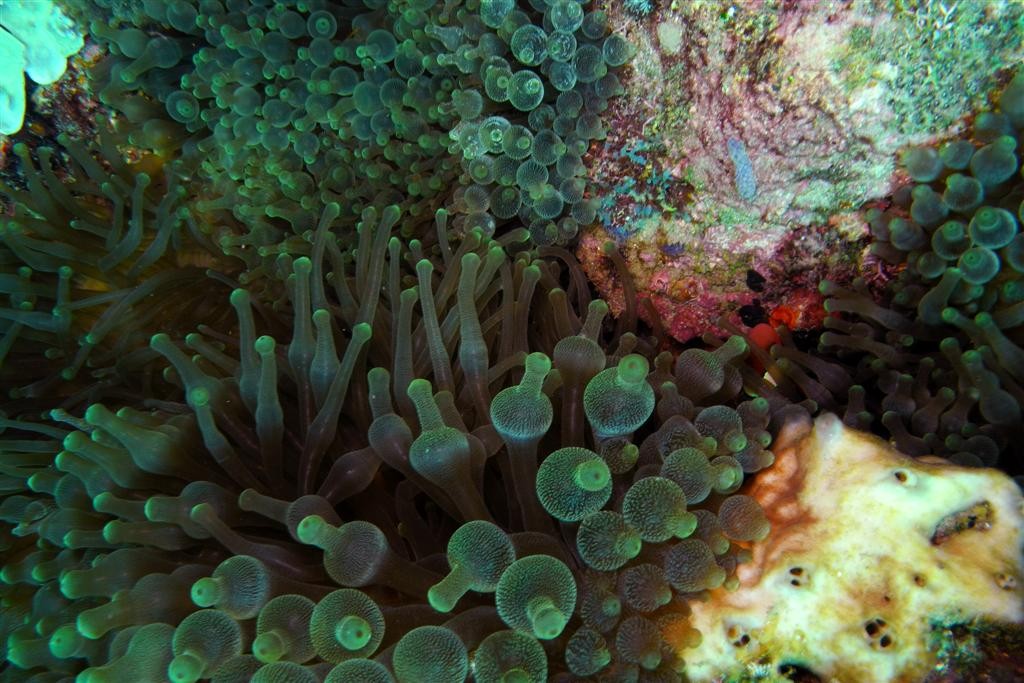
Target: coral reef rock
{"type": "Point", "coordinates": [750, 135]}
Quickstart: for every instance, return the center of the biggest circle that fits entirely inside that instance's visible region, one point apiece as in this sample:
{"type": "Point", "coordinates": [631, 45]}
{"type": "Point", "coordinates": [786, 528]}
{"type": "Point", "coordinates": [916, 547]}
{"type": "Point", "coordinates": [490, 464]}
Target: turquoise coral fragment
{"type": "Point", "coordinates": [35, 38]}
{"type": "Point", "coordinates": [746, 183]}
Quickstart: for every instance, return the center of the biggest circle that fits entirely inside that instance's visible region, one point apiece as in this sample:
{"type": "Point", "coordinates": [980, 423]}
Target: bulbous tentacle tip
{"type": "Point", "coordinates": [309, 529]}
{"type": "Point", "coordinates": [361, 333]}
{"type": "Point", "coordinates": [538, 363]}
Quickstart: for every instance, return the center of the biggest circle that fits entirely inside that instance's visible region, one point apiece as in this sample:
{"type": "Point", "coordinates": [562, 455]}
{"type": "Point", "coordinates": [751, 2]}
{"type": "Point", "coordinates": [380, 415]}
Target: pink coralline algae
{"type": "Point", "coordinates": [752, 136]}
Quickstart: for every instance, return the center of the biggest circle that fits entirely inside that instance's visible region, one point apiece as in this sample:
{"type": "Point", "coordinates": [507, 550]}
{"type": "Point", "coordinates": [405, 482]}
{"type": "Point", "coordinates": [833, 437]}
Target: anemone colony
{"type": "Point", "coordinates": [943, 349]}
{"type": "Point", "coordinates": [301, 385]}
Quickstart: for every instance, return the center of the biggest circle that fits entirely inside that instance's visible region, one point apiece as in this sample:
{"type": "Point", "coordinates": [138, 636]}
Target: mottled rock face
{"type": "Point", "coordinates": [750, 138]}
{"type": "Point", "coordinates": [870, 553]}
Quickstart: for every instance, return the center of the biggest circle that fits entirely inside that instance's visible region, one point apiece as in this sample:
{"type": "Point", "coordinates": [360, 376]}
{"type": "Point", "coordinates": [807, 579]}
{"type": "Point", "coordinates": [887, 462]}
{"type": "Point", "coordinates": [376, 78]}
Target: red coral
{"type": "Point", "coordinates": [804, 309]}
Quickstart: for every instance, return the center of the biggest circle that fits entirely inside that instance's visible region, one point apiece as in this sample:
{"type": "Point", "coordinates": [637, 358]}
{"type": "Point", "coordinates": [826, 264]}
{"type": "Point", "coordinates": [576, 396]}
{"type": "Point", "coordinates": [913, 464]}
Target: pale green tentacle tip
{"type": "Point", "coordinates": [592, 475]}
{"type": "Point", "coordinates": [185, 668]}
{"type": "Point", "coordinates": [159, 339]}
{"type": "Point", "coordinates": [302, 265]}
{"type": "Point", "coordinates": [265, 345]}
{"type": "Point", "coordinates": [547, 621]}
{"type": "Point", "coordinates": [268, 647]}
{"type": "Point", "coordinates": [538, 363]}
{"type": "Point", "coordinates": [410, 295]}
{"type": "Point", "coordinates": [353, 632]}
{"type": "Point", "coordinates": [633, 368]}
{"type": "Point", "coordinates": [424, 266]}
{"type": "Point", "coordinates": [206, 592]}
{"type": "Point", "coordinates": [64, 641]}
{"type": "Point", "coordinates": [310, 530]}
{"type": "Point", "coordinates": [201, 511]}
{"type": "Point", "coordinates": [361, 333]}
{"type": "Point", "coordinates": [438, 600]}
{"type": "Point", "coordinates": [239, 297]}
{"type": "Point", "coordinates": [419, 390]}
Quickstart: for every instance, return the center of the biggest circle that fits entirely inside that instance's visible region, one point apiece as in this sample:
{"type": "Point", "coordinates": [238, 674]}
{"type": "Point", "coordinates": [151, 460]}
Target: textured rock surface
{"type": "Point", "coordinates": [819, 97]}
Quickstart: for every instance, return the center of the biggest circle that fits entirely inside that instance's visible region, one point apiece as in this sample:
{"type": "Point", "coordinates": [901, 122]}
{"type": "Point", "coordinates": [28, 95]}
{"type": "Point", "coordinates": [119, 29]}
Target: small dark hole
{"type": "Point", "coordinates": [794, 582]}
{"type": "Point", "coordinates": [919, 580]}
{"type": "Point", "coordinates": [796, 571]}
{"type": "Point", "coordinates": [871, 628]}
{"type": "Point", "coordinates": [901, 476]}
{"type": "Point", "coordinates": [797, 673]}
{"type": "Point", "coordinates": [744, 639]}
{"type": "Point", "coordinates": [752, 314]}
{"type": "Point", "coordinates": [885, 641]}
